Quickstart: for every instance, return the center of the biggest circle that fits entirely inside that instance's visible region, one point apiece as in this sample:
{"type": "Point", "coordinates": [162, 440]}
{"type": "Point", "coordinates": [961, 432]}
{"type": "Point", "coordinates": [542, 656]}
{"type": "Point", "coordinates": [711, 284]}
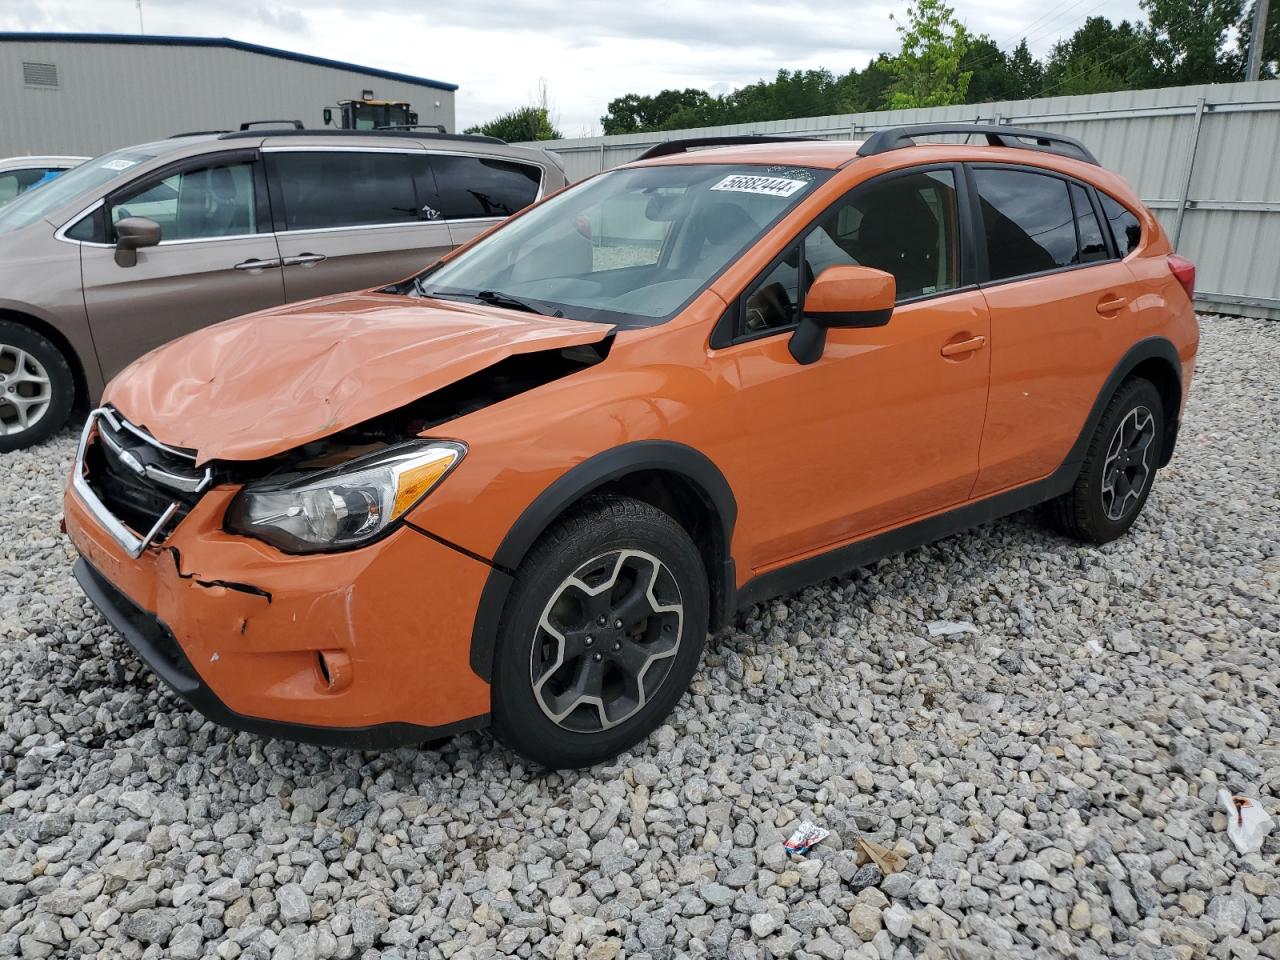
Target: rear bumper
{"type": "Point", "coordinates": [155, 643]}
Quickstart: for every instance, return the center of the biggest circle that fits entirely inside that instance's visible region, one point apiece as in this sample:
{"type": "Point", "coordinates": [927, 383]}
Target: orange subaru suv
{"type": "Point", "coordinates": [519, 488]}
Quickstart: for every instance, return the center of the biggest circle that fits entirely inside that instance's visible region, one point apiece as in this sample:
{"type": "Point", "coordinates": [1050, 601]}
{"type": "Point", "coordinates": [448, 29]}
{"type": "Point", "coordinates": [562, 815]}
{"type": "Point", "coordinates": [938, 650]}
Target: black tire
{"type": "Point", "coordinates": [1088, 512]}
{"type": "Point", "coordinates": [607, 540]}
{"type": "Point", "coordinates": [61, 386]}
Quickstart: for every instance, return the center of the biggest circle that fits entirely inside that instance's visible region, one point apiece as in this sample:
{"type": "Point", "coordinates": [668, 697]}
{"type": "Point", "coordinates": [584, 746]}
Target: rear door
{"type": "Point", "coordinates": [1061, 317]}
{"type": "Point", "coordinates": [216, 259]}
{"type": "Point", "coordinates": [348, 218]}
{"type": "Point", "coordinates": [476, 191]}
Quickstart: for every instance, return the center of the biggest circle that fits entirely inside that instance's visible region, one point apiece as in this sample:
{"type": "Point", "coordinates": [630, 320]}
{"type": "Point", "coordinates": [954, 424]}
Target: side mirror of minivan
{"type": "Point", "coordinates": [133, 233]}
{"type": "Point", "coordinates": [842, 296]}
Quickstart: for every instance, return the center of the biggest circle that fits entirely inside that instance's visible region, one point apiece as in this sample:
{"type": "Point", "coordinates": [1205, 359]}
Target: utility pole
{"type": "Point", "coordinates": [1255, 39]}
{"type": "Point", "coordinates": [142, 29]}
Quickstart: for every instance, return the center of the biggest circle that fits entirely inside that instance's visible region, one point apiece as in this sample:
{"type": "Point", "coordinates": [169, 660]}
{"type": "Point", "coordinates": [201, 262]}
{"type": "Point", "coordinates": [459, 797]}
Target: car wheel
{"type": "Point", "coordinates": [601, 636]}
{"type": "Point", "coordinates": [1119, 468]}
{"type": "Point", "coordinates": [36, 387]}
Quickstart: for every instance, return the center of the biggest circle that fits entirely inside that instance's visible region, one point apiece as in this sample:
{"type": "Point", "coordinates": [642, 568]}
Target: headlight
{"type": "Point", "coordinates": [344, 506]}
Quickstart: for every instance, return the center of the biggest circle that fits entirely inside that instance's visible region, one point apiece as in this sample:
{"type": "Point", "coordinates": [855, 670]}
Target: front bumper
{"type": "Point", "coordinates": [367, 648]}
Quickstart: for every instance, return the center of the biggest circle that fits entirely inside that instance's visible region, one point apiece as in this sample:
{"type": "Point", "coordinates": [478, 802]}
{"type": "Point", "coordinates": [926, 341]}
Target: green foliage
{"type": "Point", "coordinates": [523, 123]}
{"type": "Point", "coordinates": [927, 70]}
{"type": "Point", "coordinates": [940, 63]}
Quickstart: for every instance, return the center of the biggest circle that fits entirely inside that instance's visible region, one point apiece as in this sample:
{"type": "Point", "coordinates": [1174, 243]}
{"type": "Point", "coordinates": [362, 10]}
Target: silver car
{"type": "Point", "coordinates": [139, 246]}
{"type": "Point", "coordinates": [20, 174]}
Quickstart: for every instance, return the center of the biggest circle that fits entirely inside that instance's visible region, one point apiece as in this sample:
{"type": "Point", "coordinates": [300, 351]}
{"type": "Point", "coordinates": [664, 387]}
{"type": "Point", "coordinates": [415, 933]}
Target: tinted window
{"type": "Point", "coordinates": [1028, 221]}
{"type": "Point", "coordinates": [345, 189]}
{"type": "Point", "coordinates": [1124, 225]}
{"type": "Point", "coordinates": [34, 204]}
{"type": "Point", "coordinates": [473, 187]}
{"type": "Point", "coordinates": [14, 182]}
{"type": "Point", "coordinates": [1092, 247]}
{"type": "Point", "coordinates": [907, 226]}
{"type": "Point", "coordinates": [194, 204]}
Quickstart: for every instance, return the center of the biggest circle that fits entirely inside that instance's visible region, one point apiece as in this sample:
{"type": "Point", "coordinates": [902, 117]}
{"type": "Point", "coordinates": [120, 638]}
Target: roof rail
{"type": "Point", "coordinates": [894, 138]}
{"type": "Point", "coordinates": [332, 132]}
{"type": "Point", "coordinates": [437, 127]}
{"type": "Point", "coordinates": [294, 124]}
{"type": "Point", "coordinates": [196, 133]}
{"type": "Point", "coordinates": [683, 146]}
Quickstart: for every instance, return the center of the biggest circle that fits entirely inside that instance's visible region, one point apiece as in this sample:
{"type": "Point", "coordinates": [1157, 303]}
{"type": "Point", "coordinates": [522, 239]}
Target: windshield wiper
{"type": "Point", "coordinates": [498, 299]}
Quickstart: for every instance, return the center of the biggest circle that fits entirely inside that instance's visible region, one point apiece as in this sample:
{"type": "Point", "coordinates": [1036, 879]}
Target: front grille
{"type": "Point", "coordinates": [137, 479]}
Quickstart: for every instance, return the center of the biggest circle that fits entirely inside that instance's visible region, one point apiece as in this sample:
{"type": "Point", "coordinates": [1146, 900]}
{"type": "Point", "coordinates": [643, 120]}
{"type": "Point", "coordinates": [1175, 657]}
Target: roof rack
{"type": "Point", "coordinates": [683, 146]}
{"type": "Point", "coordinates": [437, 127]}
{"type": "Point", "coordinates": [196, 133]}
{"type": "Point", "coordinates": [894, 138]}
{"type": "Point", "coordinates": [332, 132]}
{"type": "Point", "coordinates": [293, 124]}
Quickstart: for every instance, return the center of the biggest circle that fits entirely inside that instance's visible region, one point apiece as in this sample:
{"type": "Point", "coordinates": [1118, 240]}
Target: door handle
{"type": "Point", "coordinates": [304, 260]}
{"type": "Point", "coordinates": [963, 346]}
{"type": "Point", "coordinates": [253, 265]}
{"type": "Point", "coordinates": [1112, 304]}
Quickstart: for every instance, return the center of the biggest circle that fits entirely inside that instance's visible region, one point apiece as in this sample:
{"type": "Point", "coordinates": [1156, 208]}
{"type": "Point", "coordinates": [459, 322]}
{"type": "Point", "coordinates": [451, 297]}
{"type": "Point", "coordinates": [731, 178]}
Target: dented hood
{"type": "Point", "coordinates": [263, 384]}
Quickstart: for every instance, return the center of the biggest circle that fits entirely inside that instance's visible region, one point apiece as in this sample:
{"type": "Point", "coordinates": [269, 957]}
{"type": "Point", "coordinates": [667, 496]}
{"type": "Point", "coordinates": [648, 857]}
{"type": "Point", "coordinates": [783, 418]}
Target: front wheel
{"type": "Point", "coordinates": [1119, 468]}
{"type": "Point", "coordinates": [601, 636]}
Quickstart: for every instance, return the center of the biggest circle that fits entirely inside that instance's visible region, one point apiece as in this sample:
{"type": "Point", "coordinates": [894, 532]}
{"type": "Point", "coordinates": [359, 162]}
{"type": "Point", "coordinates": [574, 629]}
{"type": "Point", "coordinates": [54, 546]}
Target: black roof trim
{"type": "Point", "coordinates": [171, 41]}
{"type": "Point", "coordinates": [998, 135]}
{"type": "Point", "coordinates": [336, 132]}
{"type": "Point", "coordinates": [669, 147]}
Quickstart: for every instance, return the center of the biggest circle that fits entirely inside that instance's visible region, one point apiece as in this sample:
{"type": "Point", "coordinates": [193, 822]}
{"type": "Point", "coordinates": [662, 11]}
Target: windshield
{"type": "Point", "coordinates": [35, 204]}
{"type": "Point", "coordinates": [632, 246]}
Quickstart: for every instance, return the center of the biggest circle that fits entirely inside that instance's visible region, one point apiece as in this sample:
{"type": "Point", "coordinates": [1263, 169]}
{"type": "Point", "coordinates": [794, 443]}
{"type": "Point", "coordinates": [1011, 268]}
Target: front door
{"type": "Point", "coordinates": [1061, 318]}
{"type": "Point", "coordinates": [885, 426]}
{"type": "Point", "coordinates": [216, 259]}
{"type": "Point", "coordinates": [353, 218]}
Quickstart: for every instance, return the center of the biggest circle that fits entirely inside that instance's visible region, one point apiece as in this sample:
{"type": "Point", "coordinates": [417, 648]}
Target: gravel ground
{"type": "Point", "coordinates": [1050, 780]}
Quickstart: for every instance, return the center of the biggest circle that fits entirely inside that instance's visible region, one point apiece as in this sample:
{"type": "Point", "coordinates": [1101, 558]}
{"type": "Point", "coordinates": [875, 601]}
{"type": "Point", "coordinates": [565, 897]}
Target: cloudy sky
{"type": "Point", "coordinates": [587, 52]}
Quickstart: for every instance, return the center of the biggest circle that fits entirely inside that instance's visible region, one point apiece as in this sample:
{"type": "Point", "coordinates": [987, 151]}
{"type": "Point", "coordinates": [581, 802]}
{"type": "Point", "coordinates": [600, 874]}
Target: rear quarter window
{"type": "Point", "coordinates": [478, 187]}
{"type": "Point", "coordinates": [1125, 226]}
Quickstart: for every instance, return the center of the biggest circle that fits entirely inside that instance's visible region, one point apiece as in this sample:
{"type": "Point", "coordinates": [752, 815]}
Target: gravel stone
{"type": "Point", "coordinates": [1050, 780]}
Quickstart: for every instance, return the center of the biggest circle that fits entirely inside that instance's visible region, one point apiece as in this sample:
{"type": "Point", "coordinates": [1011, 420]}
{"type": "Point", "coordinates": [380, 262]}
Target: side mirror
{"type": "Point", "coordinates": [328, 116]}
{"type": "Point", "coordinates": [133, 233]}
{"type": "Point", "coordinates": [842, 296]}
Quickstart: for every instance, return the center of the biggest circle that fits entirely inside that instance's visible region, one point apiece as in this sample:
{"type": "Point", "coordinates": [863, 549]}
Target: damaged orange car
{"type": "Point", "coordinates": [521, 487]}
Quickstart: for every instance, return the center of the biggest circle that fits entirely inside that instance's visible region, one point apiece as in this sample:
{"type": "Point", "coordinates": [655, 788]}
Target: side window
{"type": "Point", "coordinates": [907, 226]}
{"type": "Point", "coordinates": [478, 187]}
{"type": "Point", "coordinates": [1092, 247]}
{"type": "Point", "coordinates": [209, 202]}
{"type": "Point", "coordinates": [774, 303]}
{"type": "Point", "coordinates": [1125, 227]}
{"type": "Point", "coordinates": [15, 182]}
{"type": "Point", "coordinates": [335, 188]}
{"type": "Point", "coordinates": [1028, 222]}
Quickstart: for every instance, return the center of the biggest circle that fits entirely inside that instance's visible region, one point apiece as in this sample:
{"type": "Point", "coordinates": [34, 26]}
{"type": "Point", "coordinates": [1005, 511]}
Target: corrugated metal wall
{"type": "Point", "coordinates": [113, 95]}
{"type": "Point", "coordinates": [1206, 152]}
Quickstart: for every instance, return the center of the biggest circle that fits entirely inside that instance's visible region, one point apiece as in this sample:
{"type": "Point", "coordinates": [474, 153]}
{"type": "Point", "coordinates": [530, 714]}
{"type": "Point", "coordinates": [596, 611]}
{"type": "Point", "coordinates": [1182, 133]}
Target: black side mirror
{"type": "Point", "coordinates": [133, 233]}
{"type": "Point", "coordinates": [328, 116]}
{"type": "Point", "coordinates": [842, 296]}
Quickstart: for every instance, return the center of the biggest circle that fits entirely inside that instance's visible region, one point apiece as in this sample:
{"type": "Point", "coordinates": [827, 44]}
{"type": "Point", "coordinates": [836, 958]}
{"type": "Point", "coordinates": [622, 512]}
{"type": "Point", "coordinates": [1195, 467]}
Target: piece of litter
{"type": "Point", "coordinates": [889, 861]}
{"type": "Point", "coordinates": [1094, 646]}
{"type": "Point", "coordinates": [805, 836]}
{"type": "Point", "coordinates": [949, 628]}
{"type": "Point", "coordinates": [1247, 822]}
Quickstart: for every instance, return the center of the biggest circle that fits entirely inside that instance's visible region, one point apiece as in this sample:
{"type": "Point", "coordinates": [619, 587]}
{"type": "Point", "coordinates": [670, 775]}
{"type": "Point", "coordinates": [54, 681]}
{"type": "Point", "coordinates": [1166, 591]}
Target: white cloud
{"type": "Point", "coordinates": [589, 52]}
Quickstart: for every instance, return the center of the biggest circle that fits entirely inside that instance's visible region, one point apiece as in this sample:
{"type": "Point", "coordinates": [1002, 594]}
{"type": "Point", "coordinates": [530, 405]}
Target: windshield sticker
{"type": "Point", "coordinates": [769, 186]}
{"type": "Point", "coordinates": [118, 164]}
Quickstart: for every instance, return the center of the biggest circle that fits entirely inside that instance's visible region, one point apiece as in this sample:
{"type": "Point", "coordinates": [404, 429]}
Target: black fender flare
{"type": "Point", "coordinates": [1152, 348]}
{"type": "Point", "coordinates": [572, 486]}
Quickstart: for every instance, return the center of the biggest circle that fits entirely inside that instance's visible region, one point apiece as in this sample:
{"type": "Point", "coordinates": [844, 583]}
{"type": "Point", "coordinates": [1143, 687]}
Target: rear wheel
{"type": "Point", "coordinates": [602, 634]}
{"type": "Point", "coordinates": [36, 387]}
{"type": "Point", "coordinates": [1119, 468]}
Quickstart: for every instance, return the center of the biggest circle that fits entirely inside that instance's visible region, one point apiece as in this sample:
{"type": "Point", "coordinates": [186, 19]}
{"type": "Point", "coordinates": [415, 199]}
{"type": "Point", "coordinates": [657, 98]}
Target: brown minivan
{"type": "Point", "coordinates": [141, 245]}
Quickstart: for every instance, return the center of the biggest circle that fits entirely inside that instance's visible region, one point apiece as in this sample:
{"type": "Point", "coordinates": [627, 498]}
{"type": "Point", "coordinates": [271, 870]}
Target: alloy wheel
{"type": "Point", "coordinates": [605, 642]}
{"type": "Point", "coordinates": [25, 390]}
{"type": "Point", "coordinates": [1127, 467]}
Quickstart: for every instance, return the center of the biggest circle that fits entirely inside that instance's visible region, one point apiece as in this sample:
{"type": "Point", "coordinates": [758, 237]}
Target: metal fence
{"type": "Point", "coordinates": [1203, 158]}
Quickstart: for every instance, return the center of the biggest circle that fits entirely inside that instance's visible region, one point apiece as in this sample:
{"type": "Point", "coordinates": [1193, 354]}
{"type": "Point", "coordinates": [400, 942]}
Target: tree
{"type": "Point", "coordinates": [521, 124]}
{"type": "Point", "coordinates": [1027, 72]}
{"type": "Point", "coordinates": [636, 113]}
{"type": "Point", "coordinates": [927, 71]}
{"type": "Point", "coordinates": [1100, 57]}
{"type": "Point", "coordinates": [1189, 40]}
{"type": "Point", "coordinates": [991, 77]}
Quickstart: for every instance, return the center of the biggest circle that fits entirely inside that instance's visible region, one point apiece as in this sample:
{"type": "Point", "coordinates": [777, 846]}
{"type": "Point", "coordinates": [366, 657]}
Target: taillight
{"type": "Point", "coordinates": [1184, 271]}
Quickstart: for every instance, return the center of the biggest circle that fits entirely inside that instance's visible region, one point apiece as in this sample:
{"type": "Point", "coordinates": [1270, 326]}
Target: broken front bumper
{"type": "Point", "coordinates": [368, 647]}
